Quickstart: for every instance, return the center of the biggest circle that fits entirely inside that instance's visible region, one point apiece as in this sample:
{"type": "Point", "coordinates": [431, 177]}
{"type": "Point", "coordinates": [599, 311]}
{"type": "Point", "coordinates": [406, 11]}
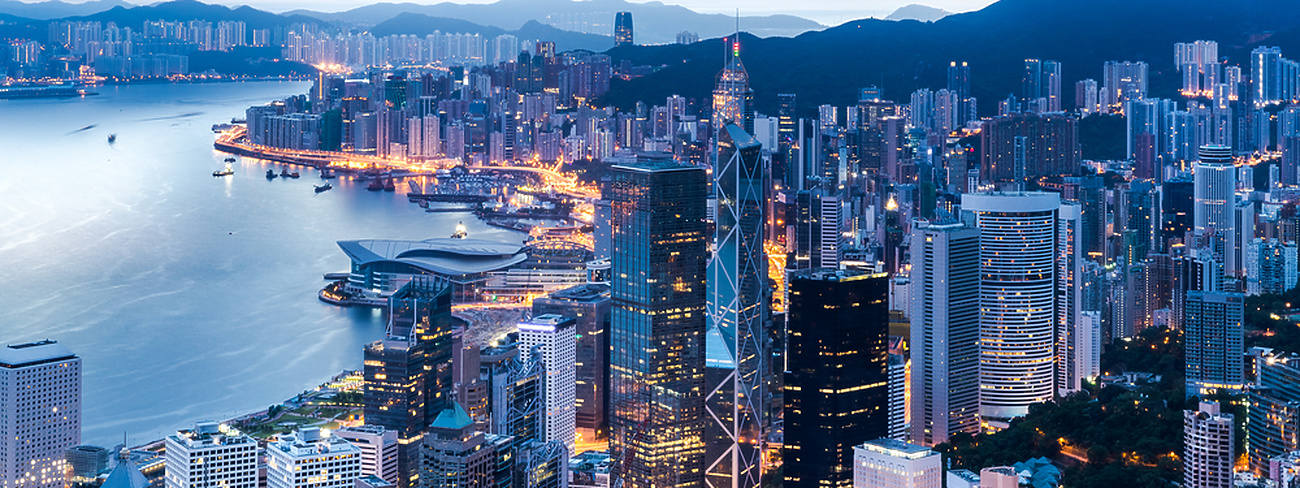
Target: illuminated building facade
{"type": "Point", "coordinates": [836, 382]}
{"type": "Point", "coordinates": [589, 305]}
{"type": "Point", "coordinates": [1273, 415]}
{"type": "Point", "coordinates": [310, 458]}
{"type": "Point", "coordinates": [1208, 443]}
{"type": "Point", "coordinates": [552, 339]}
{"type": "Point", "coordinates": [40, 413]}
{"type": "Point", "coordinates": [378, 449]}
{"type": "Point", "coordinates": [623, 29]}
{"type": "Point", "coordinates": [210, 456]}
{"type": "Point", "coordinates": [1213, 327]}
{"type": "Point", "coordinates": [657, 325]}
{"type": "Point", "coordinates": [737, 312]}
{"type": "Point", "coordinates": [1018, 319]}
{"type": "Point", "coordinates": [945, 332]}
{"type": "Point", "coordinates": [896, 464]}
{"type": "Point", "coordinates": [733, 100]}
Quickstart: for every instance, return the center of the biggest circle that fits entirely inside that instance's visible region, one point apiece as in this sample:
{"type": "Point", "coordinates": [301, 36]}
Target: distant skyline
{"type": "Point", "coordinates": [828, 12]}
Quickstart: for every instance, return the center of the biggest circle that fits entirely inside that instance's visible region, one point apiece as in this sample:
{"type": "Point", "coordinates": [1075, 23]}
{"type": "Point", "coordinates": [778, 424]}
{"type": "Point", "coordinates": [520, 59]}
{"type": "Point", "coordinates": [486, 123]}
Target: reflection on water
{"type": "Point", "coordinates": [187, 296]}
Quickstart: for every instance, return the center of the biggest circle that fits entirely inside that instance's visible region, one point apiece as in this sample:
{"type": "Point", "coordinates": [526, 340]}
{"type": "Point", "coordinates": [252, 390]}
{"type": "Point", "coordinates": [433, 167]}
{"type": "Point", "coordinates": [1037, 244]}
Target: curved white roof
{"type": "Point", "coordinates": [443, 256]}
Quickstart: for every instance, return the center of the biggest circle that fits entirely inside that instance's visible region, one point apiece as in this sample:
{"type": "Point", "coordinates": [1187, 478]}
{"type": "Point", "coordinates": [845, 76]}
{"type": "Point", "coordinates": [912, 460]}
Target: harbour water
{"type": "Point", "coordinates": [187, 296]}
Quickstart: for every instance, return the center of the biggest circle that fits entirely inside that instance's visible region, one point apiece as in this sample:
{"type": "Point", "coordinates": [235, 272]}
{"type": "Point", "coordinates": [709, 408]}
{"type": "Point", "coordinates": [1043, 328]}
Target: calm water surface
{"type": "Point", "coordinates": [187, 296]}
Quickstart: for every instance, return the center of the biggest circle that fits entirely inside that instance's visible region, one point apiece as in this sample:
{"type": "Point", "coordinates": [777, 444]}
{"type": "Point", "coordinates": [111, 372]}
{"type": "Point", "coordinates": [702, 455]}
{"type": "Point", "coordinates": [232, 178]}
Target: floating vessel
{"type": "Point", "coordinates": [375, 185]}
{"type": "Point", "coordinates": [295, 175]}
{"type": "Point", "coordinates": [112, 138]}
{"type": "Point", "coordinates": [230, 160]}
{"type": "Point", "coordinates": [225, 172]}
{"type": "Point", "coordinates": [461, 232]}
{"type": "Point", "coordinates": [270, 174]}
{"type": "Point", "coordinates": [326, 173]}
{"type": "Point", "coordinates": [284, 172]}
{"type": "Point", "coordinates": [325, 187]}
{"type": "Point", "coordinates": [389, 186]}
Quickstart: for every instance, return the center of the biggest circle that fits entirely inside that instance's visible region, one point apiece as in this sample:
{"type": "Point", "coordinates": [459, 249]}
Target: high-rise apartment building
{"type": "Point", "coordinates": [1273, 414]}
{"type": "Point", "coordinates": [553, 337]}
{"type": "Point", "coordinates": [211, 456]}
{"type": "Point", "coordinates": [737, 307]}
{"type": "Point", "coordinates": [1208, 443]}
{"type": "Point", "coordinates": [1041, 86]}
{"type": "Point", "coordinates": [888, 463]}
{"type": "Point", "coordinates": [836, 380]}
{"type": "Point", "coordinates": [1213, 334]}
{"type": "Point", "coordinates": [378, 449]}
{"type": "Point", "coordinates": [945, 331]}
{"type": "Point", "coordinates": [1018, 302]}
{"type": "Point", "coordinates": [310, 458]}
{"type": "Point", "coordinates": [657, 325]}
{"type": "Point", "coordinates": [40, 413]}
{"type": "Point", "coordinates": [1027, 145]}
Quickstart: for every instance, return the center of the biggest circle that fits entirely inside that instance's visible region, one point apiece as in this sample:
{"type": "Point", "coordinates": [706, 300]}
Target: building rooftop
{"type": "Point", "coordinates": [33, 353]}
{"type": "Point", "coordinates": [453, 418]}
{"type": "Point", "coordinates": [126, 475]}
{"type": "Point", "coordinates": [590, 292]}
{"type": "Point", "coordinates": [444, 256]}
{"type": "Point", "coordinates": [897, 448]}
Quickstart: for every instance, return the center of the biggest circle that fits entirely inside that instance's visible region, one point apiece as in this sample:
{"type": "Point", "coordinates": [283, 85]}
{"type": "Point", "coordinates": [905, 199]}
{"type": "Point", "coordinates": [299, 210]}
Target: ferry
{"type": "Point", "coordinates": [325, 187]}
{"type": "Point", "coordinates": [461, 232]}
{"type": "Point", "coordinates": [225, 172]}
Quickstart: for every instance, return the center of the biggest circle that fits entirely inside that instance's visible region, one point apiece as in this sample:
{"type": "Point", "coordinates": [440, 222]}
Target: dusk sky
{"type": "Point", "coordinates": [828, 12]}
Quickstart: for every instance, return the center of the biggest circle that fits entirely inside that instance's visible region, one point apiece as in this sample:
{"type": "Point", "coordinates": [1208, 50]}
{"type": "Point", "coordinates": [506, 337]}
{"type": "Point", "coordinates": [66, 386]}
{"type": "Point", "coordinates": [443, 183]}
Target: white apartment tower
{"type": "Point", "coordinates": [945, 316]}
{"type": "Point", "coordinates": [310, 458]}
{"type": "Point", "coordinates": [378, 450]}
{"type": "Point", "coordinates": [888, 463]}
{"type": "Point", "coordinates": [1018, 302]}
{"type": "Point", "coordinates": [553, 336]}
{"type": "Point", "coordinates": [40, 413]}
{"type": "Point", "coordinates": [1207, 447]}
{"type": "Point", "coordinates": [211, 456]}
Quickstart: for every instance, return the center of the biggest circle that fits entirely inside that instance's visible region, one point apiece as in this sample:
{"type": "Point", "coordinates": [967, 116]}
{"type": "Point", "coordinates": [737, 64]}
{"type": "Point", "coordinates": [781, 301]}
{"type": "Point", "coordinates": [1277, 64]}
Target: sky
{"type": "Point", "coordinates": [829, 12]}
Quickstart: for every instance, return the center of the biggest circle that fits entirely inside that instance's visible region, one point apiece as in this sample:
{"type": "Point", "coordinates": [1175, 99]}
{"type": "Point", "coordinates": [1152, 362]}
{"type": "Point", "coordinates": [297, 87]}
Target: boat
{"type": "Point", "coordinates": [389, 186]}
{"type": "Point", "coordinates": [112, 138]}
{"type": "Point", "coordinates": [325, 187]}
{"type": "Point", "coordinates": [375, 185]}
{"type": "Point", "coordinates": [295, 175]}
{"type": "Point", "coordinates": [230, 160]}
{"type": "Point", "coordinates": [270, 174]}
{"type": "Point", "coordinates": [461, 232]}
{"type": "Point", "coordinates": [284, 172]}
{"type": "Point", "coordinates": [326, 173]}
{"type": "Point", "coordinates": [225, 172]}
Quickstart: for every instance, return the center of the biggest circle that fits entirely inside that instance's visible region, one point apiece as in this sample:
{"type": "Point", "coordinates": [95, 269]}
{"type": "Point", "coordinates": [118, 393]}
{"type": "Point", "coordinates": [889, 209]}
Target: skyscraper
{"type": "Point", "coordinates": [1041, 86]}
{"type": "Point", "coordinates": [733, 100]}
{"type": "Point", "coordinates": [836, 392]}
{"type": "Point", "coordinates": [959, 84]}
{"type": "Point", "coordinates": [1208, 443]}
{"type": "Point", "coordinates": [394, 399]}
{"type": "Point", "coordinates": [1018, 248]}
{"type": "Point", "coordinates": [945, 315]}
{"type": "Point", "coordinates": [623, 29]}
{"type": "Point", "coordinates": [657, 323]}
{"type": "Point", "coordinates": [737, 312]}
{"type": "Point", "coordinates": [589, 305]}
{"type": "Point", "coordinates": [1274, 410]}
{"type": "Point", "coordinates": [1215, 192]}
{"type": "Point", "coordinates": [553, 337]}
{"type": "Point", "coordinates": [1214, 337]}
{"type": "Point", "coordinates": [211, 455]}
{"type": "Point", "coordinates": [378, 449]}
{"type": "Point", "coordinates": [40, 397]}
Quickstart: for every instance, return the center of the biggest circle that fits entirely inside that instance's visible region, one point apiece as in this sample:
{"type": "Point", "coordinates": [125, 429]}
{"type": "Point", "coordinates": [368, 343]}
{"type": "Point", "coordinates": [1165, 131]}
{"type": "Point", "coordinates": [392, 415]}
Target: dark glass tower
{"type": "Point", "coordinates": [659, 251]}
{"type": "Point", "coordinates": [408, 374]}
{"type": "Point", "coordinates": [737, 310]}
{"type": "Point", "coordinates": [623, 29]}
{"type": "Point", "coordinates": [836, 388]}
